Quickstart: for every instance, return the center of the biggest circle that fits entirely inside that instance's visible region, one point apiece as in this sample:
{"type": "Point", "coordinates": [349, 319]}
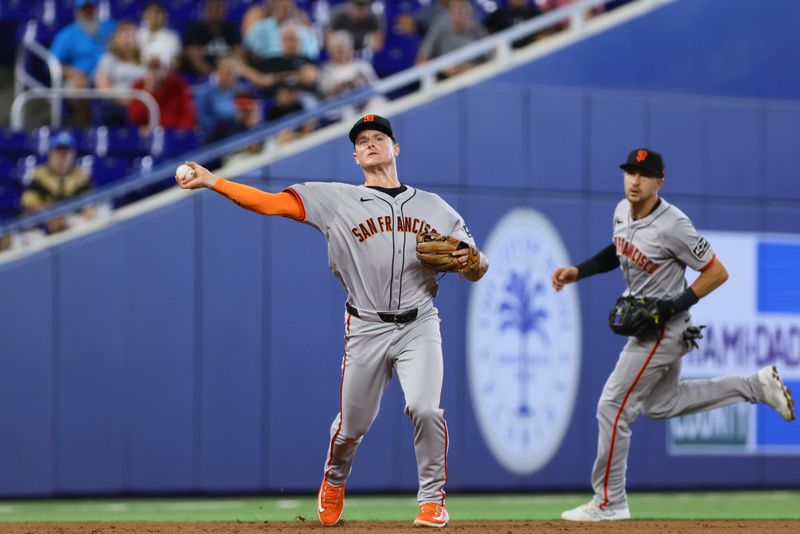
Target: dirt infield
{"type": "Point", "coordinates": [360, 527]}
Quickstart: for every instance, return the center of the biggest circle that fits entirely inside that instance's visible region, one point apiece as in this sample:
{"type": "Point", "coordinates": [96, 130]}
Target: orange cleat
{"type": "Point", "coordinates": [330, 503]}
{"type": "Point", "coordinates": [432, 515]}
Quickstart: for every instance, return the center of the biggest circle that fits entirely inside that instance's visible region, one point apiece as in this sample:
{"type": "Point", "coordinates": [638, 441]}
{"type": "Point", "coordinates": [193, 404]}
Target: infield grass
{"type": "Point", "coordinates": [689, 506]}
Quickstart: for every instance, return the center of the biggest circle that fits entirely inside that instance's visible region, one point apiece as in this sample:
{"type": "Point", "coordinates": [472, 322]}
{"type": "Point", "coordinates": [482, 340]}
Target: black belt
{"type": "Point", "coordinates": [397, 318]}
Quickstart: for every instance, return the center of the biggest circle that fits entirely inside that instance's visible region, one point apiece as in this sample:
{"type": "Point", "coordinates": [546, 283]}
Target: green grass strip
{"type": "Point", "coordinates": [686, 506]}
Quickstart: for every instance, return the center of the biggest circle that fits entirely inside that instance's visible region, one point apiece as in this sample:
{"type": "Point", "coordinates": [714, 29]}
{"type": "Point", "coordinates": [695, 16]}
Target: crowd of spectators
{"type": "Point", "coordinates": [318, 49]}
{"type": "Point", "coordinates": [219, 75]}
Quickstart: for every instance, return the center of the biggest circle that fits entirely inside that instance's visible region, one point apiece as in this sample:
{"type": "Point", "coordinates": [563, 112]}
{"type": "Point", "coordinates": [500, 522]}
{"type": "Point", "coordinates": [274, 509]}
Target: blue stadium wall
{"type": "Point", "coordinates": [197, 348]}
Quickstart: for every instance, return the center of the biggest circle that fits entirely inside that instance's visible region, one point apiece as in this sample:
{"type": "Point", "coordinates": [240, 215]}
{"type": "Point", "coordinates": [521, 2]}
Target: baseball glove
{"type": "Point", "coordinates": [435, 251]}
{"type": "Point", "coordinates": [636, 316]}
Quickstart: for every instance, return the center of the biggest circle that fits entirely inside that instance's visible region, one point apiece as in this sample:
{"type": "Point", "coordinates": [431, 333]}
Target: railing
{"type": "Point", "coordinates": [22, 78]}
{"type": "Point", "coordinates": [500, 45]}
{"type": "Point", "coordinates": [55, 95]}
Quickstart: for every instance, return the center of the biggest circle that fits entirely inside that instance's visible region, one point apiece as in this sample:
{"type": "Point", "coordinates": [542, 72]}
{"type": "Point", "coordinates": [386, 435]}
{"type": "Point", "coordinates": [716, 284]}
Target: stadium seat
{"type": "Point", "coordinates": [107, 170]}
{"type": "Point", "coordinates": [13, 143]}
{"type": "Point", "coordinates": [10, 195]}
{"type": "Point", "coordinates": [168, 142]}
{"type": "Point", "coordinates": [126, 141]}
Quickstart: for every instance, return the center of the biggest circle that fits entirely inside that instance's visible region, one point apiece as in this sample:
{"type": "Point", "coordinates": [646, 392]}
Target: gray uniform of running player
{"type": "Point", "coordinates": [653, 251]}
{"type": "Point", "coordinates": [371, 249]}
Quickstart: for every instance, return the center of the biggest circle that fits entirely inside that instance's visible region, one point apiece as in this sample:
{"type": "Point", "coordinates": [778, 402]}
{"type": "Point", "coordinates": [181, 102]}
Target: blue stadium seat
{"type": "Point", "coordinates": [105, 141]}
{"type": "Point", "coordinates": [13, 143]}
{"type": "Point", "coordinates": [127, 10]}
{"type": "Point", "coordinates": [107, 170]}
{"type": "Point", "coordinates": [10, 194]}
{"type": "Point", "coordinates": [168, 142]}
{"type": "Point", "coordinates": [16, 9]}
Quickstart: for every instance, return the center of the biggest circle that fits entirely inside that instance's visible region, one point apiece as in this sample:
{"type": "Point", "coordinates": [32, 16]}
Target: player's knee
{"type": "Point", "coordinates": [423, 412]}
{"type": "Point", "coordinates": [661, 411]}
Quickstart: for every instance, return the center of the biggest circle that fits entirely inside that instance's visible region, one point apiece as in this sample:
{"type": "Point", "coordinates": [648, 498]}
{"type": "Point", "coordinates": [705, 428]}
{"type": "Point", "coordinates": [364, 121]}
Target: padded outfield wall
{"type": "Point", "coordinates": [197, 348]}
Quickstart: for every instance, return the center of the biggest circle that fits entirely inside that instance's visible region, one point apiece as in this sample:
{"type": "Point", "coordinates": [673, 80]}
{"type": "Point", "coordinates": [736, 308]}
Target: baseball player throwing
{"type": "Point", "coordinates": [391, 324]}
{"type": "Point", "coordinates": [653, 242]}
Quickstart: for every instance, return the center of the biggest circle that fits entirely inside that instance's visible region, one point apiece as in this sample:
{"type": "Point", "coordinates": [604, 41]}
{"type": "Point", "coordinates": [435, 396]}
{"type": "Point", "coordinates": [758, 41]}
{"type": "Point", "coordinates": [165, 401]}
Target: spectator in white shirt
{"type": "Point", "coordinates": [155, 38]}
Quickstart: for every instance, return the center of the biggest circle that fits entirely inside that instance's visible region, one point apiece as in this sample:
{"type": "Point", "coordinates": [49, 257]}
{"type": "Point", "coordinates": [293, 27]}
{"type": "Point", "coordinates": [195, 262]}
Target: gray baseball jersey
{"type": "Point", "coordinates": [371, 238]}
{"type": "Point", "coordinates": [653, 252]}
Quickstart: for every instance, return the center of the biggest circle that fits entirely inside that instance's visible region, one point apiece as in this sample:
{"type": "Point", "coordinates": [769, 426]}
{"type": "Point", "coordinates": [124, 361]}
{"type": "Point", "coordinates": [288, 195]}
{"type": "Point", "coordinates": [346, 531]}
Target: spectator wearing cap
{"type": "Point", "coordinates": [155, 37]}
{"type": "Point", "coordinates": [79, 47]}
{"type": "Point", "coordinates": [263, 38]}
{"type": "Point", "coordinates": [357, 18]}
{"type": "Point", "coordinates": [56, 180]}
{"type": "Point", "coordinates": [171, 93]}
{"type": "Point", "coordinates": [511, 14]}
{"type": "Point", "coordinates": [457, 29]}
{"type": "Point", "coordinates": [210, 39]}
{"type": "Point", "coordinates": [118, 69]}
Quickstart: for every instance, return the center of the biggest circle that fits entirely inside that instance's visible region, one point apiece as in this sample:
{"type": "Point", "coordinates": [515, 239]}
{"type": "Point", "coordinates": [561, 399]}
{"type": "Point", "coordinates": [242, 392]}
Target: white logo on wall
{"type": "Point", "coordinates": [524, 344]}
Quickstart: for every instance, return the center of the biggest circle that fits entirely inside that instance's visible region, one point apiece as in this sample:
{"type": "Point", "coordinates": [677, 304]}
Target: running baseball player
{"type": "Point", "coordinates": [391, 324]}
{"type": "Point", "coordinates": [653, 242]}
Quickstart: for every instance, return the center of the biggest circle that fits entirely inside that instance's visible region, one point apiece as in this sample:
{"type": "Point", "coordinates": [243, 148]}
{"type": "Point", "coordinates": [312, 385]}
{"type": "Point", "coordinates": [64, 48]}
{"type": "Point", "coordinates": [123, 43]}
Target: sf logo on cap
{"type": "Point", "coordinates": [641, 156]}
{"type": "Point", "coordinates": [369, 118]}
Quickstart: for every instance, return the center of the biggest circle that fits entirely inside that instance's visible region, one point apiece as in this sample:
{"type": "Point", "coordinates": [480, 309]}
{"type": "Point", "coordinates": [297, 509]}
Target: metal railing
{"type": "Point", "coordinates": [499, 45]}
{"type": "Point", "coordinates": [22, 78]}
{"type": "Point", "coordinates": [56, 94]}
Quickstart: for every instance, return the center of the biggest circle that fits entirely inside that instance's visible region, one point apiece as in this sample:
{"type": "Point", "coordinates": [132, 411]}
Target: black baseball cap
{"type": "Point", "coordinates": [371, 122]}
{"type": "Point", "coordinates": [644, 159]}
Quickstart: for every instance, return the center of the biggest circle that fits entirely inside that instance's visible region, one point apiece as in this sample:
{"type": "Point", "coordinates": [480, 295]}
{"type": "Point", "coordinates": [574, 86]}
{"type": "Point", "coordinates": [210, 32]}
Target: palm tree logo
{"type": "Point", "coordinates": [518, 311]}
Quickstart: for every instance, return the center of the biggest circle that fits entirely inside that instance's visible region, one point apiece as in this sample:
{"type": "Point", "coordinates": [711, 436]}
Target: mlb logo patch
{"type": "Point", "coordinates": [701, 248]}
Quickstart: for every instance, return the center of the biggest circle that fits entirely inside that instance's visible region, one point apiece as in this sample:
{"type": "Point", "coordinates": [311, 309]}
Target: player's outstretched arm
{"type": "Point", "coordinates": [563, 276]}
{"type": "Point", "coordinates": [283, 203]}
{"type": "Point", "coordinates": [602, 262]}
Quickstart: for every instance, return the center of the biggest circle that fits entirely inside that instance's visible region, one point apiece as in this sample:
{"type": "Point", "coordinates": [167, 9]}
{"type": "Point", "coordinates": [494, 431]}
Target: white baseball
{"type": "Point", "coordinates": [184, 172]}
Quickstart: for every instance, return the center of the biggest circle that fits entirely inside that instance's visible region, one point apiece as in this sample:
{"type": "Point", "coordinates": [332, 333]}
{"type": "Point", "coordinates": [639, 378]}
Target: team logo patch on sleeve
{"type": "Point", "coordinates": [700, 248]}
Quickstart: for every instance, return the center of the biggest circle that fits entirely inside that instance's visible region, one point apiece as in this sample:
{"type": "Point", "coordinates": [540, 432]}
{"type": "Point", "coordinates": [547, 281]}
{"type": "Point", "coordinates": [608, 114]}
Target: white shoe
{"type": "Point", "coordinates": [590, 512]}
{"type": "Point", "coordinates": [776, 394]}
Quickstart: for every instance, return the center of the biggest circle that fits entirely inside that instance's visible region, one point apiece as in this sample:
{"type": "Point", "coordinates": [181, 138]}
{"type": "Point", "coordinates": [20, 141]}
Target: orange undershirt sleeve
{"type": "Point", "coordinates": [285, 203]}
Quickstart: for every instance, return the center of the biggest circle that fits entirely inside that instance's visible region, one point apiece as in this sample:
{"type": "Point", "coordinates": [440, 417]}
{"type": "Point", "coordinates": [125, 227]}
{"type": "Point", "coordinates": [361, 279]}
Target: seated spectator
{"type": "Point", "coordinates": [514, 12]}
{"type": "Point", "coordinates": [457, 29]}
{"type": "Point", "coordinates": [254, 13]}
{"type": "Point", "coordinates": [550, 5]}
{"type": "Point", "coordinates": [210, 39]}
{"type": "Point", "coordinates": [423, 19]}
{"type": "Point", "coordinates": [287, 101]}
{"type": "Point", "coordinates": [263, 39]}
{"type": "Point", "coordinates": [118, 69]}
{"type": "Point", "coordinates": [356, 17]}
{"type": "Point", "coordinates": [56, 180]}
{"type": "Point", "coordinates": [79, 46]}
{"type": "Point", "coordinates": [171, 93]}
{"type": "Point", "coordinates": [155, 37]}
{"type": "Point", "coordinates": [290, 66]}
{"type": "Point", "coordinates": [224, 107]}
{"type": "Point", "coordinates": [343, 72]}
